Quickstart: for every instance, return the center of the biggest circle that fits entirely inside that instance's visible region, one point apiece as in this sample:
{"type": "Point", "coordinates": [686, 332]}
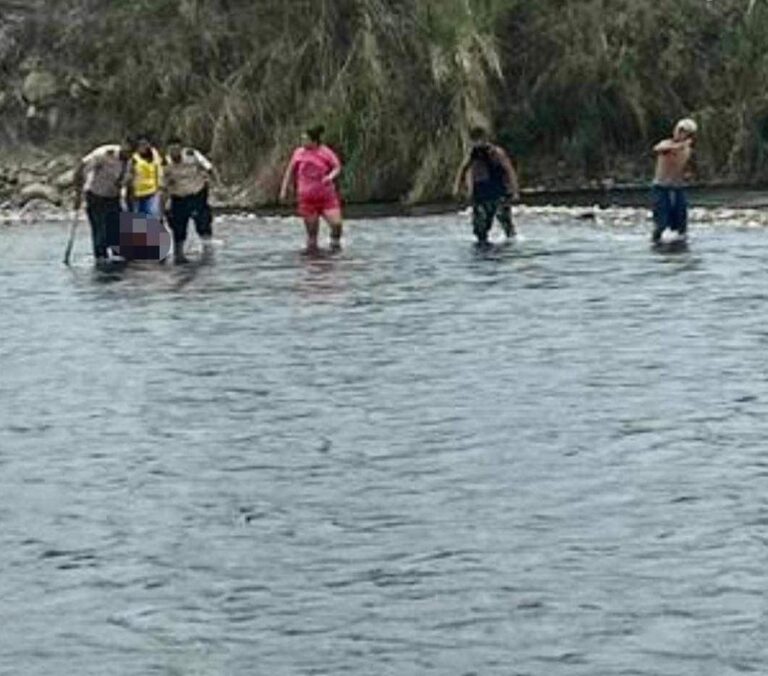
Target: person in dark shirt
{"type": "Point", "coordinates": [491, 180]}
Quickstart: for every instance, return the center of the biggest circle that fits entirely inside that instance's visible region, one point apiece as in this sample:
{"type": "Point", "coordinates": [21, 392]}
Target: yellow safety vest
{"type": "Point", "coordinates": [147, 175]}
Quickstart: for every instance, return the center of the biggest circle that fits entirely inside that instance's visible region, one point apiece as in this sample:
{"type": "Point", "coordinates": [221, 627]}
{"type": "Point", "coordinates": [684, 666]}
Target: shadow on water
{"type": "Point", "coordinates": [494, 251]}
{"type": "Point", "coordinates": [671, 248]}
{"type": "Point", "coordinates": [677, 257]}
{"type": "Point", "coordinates": [185, 274]}
{"type": "Point", "coordinates": [322, 274]}
{"type": "Point", "coordinates": [144, 276]}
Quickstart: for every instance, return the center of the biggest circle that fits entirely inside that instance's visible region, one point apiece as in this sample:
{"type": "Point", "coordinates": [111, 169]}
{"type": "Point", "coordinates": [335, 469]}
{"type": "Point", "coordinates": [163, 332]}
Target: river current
{"type": "Point", "coordinates": [415, 457]}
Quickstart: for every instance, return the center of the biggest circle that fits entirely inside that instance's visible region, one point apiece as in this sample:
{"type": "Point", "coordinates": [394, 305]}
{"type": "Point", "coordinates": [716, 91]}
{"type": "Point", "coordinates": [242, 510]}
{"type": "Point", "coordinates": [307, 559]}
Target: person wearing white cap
{"type": "Point", "coordinates": [670, 204]}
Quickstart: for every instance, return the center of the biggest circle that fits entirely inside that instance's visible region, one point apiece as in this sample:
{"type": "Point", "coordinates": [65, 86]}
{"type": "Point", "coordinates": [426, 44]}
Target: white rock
{"type": "Point", "coordinates": [39, 191]}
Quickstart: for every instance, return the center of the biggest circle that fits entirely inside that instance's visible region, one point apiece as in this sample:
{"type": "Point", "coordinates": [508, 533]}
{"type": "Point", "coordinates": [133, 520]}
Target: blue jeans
{"type": "Point", "coordinates": [148, 206]}
{"type": "Point", "coordinates": [670, 210]}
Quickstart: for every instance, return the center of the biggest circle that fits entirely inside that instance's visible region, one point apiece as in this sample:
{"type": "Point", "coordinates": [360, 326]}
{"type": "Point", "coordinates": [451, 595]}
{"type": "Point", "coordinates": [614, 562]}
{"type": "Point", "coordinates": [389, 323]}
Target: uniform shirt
{"type": "Point", "coordinates": [188, 176]}
{"type": "Point", "coordinates": [105, 171]}
{"type": "Point", "coordinates": [311, 166]}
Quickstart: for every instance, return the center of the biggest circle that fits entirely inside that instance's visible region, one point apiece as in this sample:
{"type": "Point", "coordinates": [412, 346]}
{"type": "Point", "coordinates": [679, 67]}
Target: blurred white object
{"type": "Point", "coordinates": [671, 236]}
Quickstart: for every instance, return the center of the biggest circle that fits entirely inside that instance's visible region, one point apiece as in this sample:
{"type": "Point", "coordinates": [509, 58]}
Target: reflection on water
{"type": "Point", "coordinates": [411, 457]}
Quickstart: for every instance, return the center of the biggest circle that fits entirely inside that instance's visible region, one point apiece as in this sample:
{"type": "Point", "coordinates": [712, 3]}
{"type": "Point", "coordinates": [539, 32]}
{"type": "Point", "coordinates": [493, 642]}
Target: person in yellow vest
{"type": "Point", "coordinates": [144, 197]}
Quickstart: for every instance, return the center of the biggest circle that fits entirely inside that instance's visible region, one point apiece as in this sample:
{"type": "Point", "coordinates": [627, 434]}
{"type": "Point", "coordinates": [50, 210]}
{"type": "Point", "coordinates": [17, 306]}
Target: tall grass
{"type": "Point", "coordinates": [571, 87]}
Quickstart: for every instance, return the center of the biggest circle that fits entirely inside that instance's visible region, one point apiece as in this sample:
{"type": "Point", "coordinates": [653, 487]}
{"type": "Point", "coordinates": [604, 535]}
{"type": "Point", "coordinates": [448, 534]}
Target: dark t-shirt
{"type": "Point", "coordinates": [489, 179]}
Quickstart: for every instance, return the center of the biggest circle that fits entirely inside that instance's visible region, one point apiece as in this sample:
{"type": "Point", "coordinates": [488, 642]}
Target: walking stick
{"type": "Point", "coordinates": [71, 241]}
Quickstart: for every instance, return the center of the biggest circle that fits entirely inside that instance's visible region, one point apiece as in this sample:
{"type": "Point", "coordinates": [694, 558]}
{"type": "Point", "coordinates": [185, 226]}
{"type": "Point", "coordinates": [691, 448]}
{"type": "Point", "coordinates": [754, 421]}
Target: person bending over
{"type": "Point", "coordinates": [101, 176]}
{"type": "Point", "coordinates": [491, 181]}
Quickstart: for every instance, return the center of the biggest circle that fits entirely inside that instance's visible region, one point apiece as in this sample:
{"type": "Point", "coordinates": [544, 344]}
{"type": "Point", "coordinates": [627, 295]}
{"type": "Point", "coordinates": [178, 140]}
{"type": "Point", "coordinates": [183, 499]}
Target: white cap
{"type": "Point", "coordinates": [688, 125]}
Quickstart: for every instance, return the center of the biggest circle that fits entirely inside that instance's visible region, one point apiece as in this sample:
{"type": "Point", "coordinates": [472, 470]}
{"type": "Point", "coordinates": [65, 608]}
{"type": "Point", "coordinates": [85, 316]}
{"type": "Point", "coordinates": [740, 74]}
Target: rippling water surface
{"type": "Point", "coordinates": [412, 458]}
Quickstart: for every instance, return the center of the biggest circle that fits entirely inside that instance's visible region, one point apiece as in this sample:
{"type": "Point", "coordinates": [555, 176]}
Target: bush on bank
{"type": "Point", "coordinates": [576, 90]}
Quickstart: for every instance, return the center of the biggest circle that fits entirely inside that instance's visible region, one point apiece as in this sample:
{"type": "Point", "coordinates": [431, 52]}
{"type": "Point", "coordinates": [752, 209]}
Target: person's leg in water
{"type": "Point", "coordinates": [203, 217]}
{"type": "Point", "coordinates": [112, 227]}
{"type": "Point", "coordinates": [679, 212]}
{"type": "Point", "coordinates": [179, 222]}
{"type": "Point", "coordinates": [661, 211]}
{"type": "Point", "coordinates": [334, 220]}
{"type": "Point", "coordinates": [312, 226]}
{"type": "Point", "coordinates": [482, 219]}
{"type": "Point", "coordinates": [504, 216]}
{"type": "Point", "coordinates": [97, 211]}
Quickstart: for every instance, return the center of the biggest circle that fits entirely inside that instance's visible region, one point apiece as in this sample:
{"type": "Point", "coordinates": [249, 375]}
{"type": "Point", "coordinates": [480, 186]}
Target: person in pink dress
{"type": "Point", "coordinates": [312, 170]}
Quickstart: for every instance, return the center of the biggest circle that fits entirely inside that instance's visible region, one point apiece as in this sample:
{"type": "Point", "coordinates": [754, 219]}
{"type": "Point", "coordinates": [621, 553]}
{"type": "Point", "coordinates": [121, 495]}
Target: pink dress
{"type": "Point", "coordinates": [310, 166]}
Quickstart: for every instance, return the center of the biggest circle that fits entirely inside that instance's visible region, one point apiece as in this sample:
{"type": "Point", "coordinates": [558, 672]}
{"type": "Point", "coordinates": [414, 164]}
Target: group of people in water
{"type": "Point", "coordinates": [134, 178]}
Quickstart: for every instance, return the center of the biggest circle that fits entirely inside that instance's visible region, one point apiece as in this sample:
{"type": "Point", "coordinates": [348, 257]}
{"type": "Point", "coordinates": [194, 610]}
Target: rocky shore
{"type": "Point", "coordinates": [38, 180]}
{"type": "Point", "coordinates": [38, 175]}
{"type": "Point", "coordinates": [41, 179]}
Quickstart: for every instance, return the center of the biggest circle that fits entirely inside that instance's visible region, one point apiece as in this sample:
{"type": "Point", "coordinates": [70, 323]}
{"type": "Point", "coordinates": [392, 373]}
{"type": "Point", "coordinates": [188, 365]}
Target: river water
{"type": "Point", "coordinates": [412, 458]}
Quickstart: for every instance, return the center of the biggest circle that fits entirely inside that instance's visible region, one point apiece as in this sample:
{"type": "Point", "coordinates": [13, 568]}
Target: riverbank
{"type": "Point", "coordinates": [578, 97]}
{"type": "Point", "coordinates": [36, 179]}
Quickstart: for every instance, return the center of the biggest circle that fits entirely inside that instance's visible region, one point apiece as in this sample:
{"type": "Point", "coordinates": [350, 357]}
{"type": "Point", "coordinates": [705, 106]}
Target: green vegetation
{"type": "Point", "coordinates": [578, 90]}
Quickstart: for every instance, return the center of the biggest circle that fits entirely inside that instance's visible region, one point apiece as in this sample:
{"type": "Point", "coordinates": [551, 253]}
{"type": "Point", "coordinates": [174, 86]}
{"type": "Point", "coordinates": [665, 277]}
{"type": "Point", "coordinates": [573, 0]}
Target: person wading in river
{"type": "Point", "coordinates": [186, 180]}
{"type": "Point", "coordinates": [313, 169]}
{"type": "Point", "coordinates": [146, 178]}
{"type": "Point", "coordinates": [670, 204]}
{"type": "Point", "coordinates": [491, 180]}
{"type": "Point", "coordinates": [101, 176]}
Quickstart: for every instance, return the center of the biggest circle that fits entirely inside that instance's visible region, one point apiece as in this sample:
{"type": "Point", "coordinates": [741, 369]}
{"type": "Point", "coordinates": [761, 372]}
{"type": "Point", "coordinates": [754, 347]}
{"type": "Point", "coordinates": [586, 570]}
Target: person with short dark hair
{"type": "Point", "coordinates": [145, 180]}
{"type": "Point", "coordinates": [491, 180]}
{"type": "Point", "coordinates": [100, 177]}
{"type": "Point", "coordinates": [313, 169]}
{"type": "Point", "coordinates": [186, 182]}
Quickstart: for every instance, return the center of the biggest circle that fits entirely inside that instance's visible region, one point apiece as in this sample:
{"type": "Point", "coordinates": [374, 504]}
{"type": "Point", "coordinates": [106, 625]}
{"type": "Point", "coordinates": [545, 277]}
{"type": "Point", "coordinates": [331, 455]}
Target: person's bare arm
{"type": "Point", "coordinates": [669, 145]}
{"type": "Point", "coordinates": [287, 179]}
{"type": "Point", "coordinates": [332, 175]}
{"type": "Point", "coordinates": [214, 176]}
{"type": "Point", "coordinates": [167, 185]}
{"type": "Point", "coordinates": [335, 165]}
{"type": "Point", "coordinates": [513, 185]}
{"type": "Point", "coordinates": [461, 177]}
{"type": "Point", "coordinates": [207, 167]}
{"type": "Point", "coordinates": [128, 185]}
